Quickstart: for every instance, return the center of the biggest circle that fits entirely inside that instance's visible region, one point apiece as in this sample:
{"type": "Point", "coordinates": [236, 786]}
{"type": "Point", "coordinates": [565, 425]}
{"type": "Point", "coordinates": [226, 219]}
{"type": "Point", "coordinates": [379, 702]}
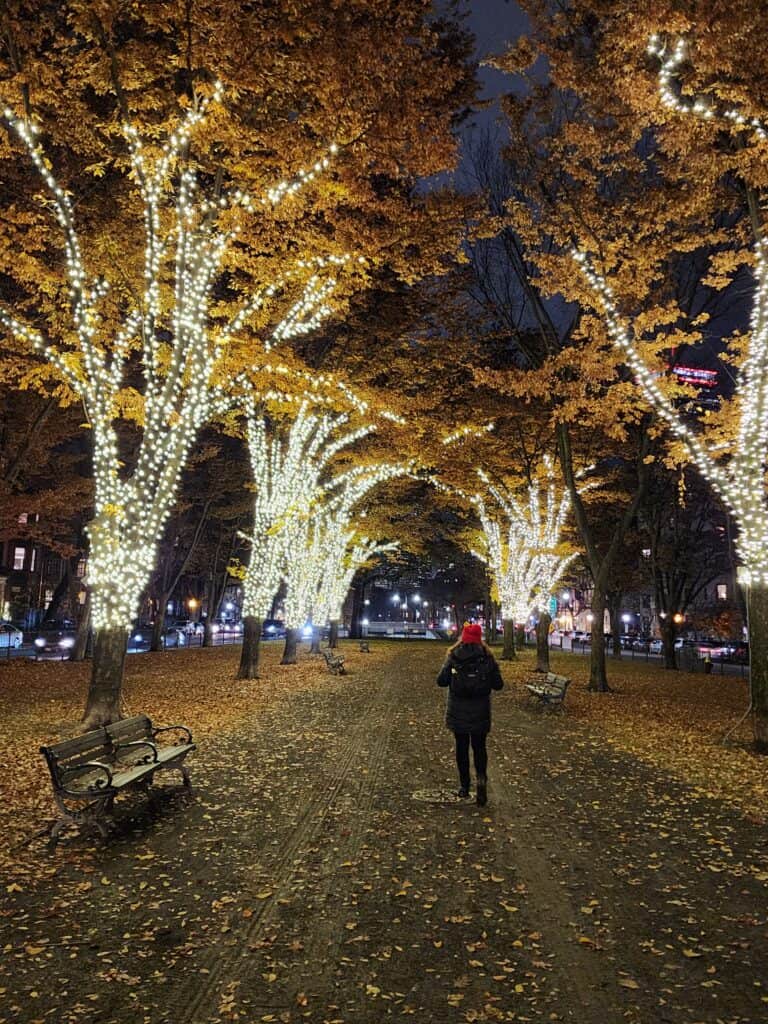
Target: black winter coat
{"type": "Point", "coordinates": [469, 714]}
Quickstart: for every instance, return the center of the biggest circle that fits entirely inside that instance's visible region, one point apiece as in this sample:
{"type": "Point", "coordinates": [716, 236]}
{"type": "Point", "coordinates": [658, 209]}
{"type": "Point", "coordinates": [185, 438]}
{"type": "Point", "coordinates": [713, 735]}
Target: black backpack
{"type": "Point", "coordinates": [471, 678]}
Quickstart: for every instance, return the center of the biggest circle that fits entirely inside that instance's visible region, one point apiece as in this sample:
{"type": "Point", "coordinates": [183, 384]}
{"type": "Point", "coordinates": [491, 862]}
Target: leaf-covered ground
{"type": "Point", "coordinates": [323, 872]}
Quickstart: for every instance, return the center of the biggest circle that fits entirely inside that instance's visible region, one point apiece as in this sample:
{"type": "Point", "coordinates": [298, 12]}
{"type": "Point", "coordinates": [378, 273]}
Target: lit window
{"type": "Point", "coordinates": [19, 555]}
{"type": "Point", "coordinates": [48, 596]}
{"type": "Point", "coordinates": [23, 518]}
{"type": "Point", "coordinates": [81, 568]}
{"type": "Point", "coordinates": [722, 592]}
{"type": "Point", "coordinates": [646, 552]}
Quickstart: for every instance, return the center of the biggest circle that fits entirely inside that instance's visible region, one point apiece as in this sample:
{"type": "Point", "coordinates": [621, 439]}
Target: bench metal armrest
{"type": "Point", "coordinates": [137, 743]}
{"type": "Point", "coordinates": [98, 785]}
{"type": "Point", "coordinates": [172, 728]}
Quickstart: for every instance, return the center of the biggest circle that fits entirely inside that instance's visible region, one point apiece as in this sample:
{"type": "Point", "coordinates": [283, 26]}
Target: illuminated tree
{"type": "Point", "coordinates": [327, 513]}
{"type": "Point", "coordinates": [736, 468]}
{"type": "Point", "coordinates": [523, 547]}
{"type": "Point", "coordinates": [288, 461]}
{"type": "Point", "coordinates": [347, 551]}
{"type": "Point", "coordinates": [167, 336]}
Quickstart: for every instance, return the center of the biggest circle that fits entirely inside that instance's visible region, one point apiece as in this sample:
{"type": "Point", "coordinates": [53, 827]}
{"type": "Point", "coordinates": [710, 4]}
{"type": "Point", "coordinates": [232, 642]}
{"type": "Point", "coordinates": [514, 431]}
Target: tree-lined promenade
{"type": "Point", "coordinates": [278, 330]}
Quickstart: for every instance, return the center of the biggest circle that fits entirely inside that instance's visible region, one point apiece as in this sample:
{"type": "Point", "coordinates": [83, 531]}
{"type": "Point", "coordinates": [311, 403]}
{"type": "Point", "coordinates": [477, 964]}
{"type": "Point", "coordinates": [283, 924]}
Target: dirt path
{"type": "Point", "coordinates": [307, 883]}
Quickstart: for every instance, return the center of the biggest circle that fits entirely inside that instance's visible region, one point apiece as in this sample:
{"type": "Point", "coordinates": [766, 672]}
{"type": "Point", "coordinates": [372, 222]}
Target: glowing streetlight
{"type": "Point", "coordinates": [677, 618]}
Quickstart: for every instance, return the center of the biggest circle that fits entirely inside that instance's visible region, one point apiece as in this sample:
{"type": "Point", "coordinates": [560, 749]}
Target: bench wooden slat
{"type": "Point", "coordinates": [130, 728]}
{"type": "Point", "coordinates": [70, 748]}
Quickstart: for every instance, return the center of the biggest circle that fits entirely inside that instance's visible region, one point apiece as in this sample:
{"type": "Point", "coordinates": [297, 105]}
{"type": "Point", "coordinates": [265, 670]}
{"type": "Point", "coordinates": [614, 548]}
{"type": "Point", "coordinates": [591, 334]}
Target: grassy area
{"type": "Point", "coordinates": [673, 720]}
{"type": "Point", "coordinates": [42, 702]}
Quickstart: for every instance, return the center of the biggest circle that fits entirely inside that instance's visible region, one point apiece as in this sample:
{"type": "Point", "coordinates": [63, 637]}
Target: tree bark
{"type": "Point", "coordinates": [156, 643]}
{"type": "Point", "coordinates": [614, 614]}
{"type": "Point", "coordinates": [208, 634]}
{"type": "Point", "coordinates": [290, 651]}
{"type": "Point", "coordinates": [519, 638]}
{"type": "Point", "coordinates": [668, 636]}
{"type": "Point", "coordinates": [80, 650]}
{"type": "Point", "coordinates": [598, 677]}
{"type": "Point", "coordinates": [333, 635]}
{"type": "Point", "coordinates": [508, 652]}
{"type": "Point", "coordinates": [249, 656]}
{"type": "Point", "coordinates": [757, 609]}
{"type": "Point", "coordinates": [358, 596]}
{"type": "Point", "coordinates": [542, 642]}
{"type": "Point", "coordinates": [315, 647]}
{"type": "Point", "coordinates": [105, 691]}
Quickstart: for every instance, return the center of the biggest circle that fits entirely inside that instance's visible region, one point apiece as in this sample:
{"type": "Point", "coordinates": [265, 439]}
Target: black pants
{"type": "Point", "coordinates": [479, 753]}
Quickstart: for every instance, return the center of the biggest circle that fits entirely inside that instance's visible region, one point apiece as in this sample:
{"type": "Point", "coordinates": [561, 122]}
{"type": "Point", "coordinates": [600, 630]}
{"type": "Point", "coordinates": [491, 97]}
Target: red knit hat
{"type": "Point", "coordinates": [472, 634]}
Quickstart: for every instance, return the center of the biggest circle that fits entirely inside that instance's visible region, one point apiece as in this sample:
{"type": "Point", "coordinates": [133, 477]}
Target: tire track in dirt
{"type": "Point", "coordinates": [574, 968]}
{"type": "Point", "coordinates": [197, 997]}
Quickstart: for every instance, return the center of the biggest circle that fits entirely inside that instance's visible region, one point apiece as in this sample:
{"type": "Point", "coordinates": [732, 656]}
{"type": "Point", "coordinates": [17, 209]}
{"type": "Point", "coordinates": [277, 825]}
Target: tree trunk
{"type": "Point", "coordinates": [668, 636]}
{"type": "Point", "coordinates": [80, 650]}
{"type": "Point", "coordinates": [757, 612]}
{"type": "Point", "coordinates": [249, 656]}
{"type": "Point", "coordinates": [156, 643]}
{"type": "Point", "coordinates": [542, 642]}
{"type": "Point", "coordinates": [105, 691]}
{"type": "Point", "coordinates": [508, 652]}
{"type": "Point", "coordinates": [614, 614]}
{"type": "Point", "coordinates": [208, 634]}
{"type": "Point", "coordinates": [315, 648]}
{"type": "Point", "coordinates": [333, 635]}
{"type": "Point", "coordinates": [358, 596]}
{"type": "Point", "coordinates": [52, 611]}
{"type": "Point", "coordinates": [493, 634]}
{"type": "Point", "coordinates": [598, 677]}
{"type": "Point", "coordinates": [520, 638]}
{"type": "Point", "coordinates": [290, 651]}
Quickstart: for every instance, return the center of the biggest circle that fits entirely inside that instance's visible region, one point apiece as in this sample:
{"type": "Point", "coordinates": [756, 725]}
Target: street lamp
{"type": "Point", "coordinates": [677, 618]}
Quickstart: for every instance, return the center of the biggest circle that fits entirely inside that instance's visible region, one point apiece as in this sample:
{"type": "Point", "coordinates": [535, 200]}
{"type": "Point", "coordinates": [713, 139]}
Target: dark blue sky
{"type": "Point", "coordinates": [495, 23]}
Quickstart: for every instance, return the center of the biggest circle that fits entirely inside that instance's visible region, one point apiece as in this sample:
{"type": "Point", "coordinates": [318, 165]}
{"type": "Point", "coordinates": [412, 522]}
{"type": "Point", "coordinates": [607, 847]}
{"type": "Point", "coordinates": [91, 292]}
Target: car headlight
{"type": "Point", "coordinates": [215, 628]}
{"type": "Point", "coordinates": [40, 642]}
{"type": "Point", "coordinates": [67, 641]}
{"type": "Point", "coordinates": [271, 629]}
{"type": "Point", "coordinates": [138, 638]}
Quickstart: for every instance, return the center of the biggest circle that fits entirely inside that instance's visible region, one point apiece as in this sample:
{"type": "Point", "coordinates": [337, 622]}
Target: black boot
{"type": "Point", "coordinates": [482, 790]}
{"type": "Point", "coordinates": [463, 791]}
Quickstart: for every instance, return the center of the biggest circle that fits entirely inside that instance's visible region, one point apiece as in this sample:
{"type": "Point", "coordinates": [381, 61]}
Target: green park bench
{"type": "Point", "coordinates": [89, 771]}
{"type": "Point", "coordinates": [550, 693]}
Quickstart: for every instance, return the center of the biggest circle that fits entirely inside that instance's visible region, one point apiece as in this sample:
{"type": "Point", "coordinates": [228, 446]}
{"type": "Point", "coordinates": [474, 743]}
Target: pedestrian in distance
{"type": "Point", "coordinates": [470, 672]}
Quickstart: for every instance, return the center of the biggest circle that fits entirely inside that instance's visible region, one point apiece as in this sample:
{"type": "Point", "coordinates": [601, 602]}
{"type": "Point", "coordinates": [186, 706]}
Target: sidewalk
{"type": "Point", "coordinates": [307, 883]}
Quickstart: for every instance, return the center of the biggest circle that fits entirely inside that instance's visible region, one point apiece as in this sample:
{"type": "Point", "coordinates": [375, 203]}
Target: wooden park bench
{"type": "Point", "coordinates": [335, 662]}
{"type": "Point", "coordinates": [365, 647]}
{"type": "Point", "coordinates": [550, 693]}
{"type": "Point", "coordinates": [89, 771]}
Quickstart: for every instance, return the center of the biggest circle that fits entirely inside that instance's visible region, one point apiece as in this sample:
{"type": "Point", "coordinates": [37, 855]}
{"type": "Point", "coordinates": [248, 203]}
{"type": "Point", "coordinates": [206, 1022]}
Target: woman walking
{"type": "Point", "coordinates": [470, 672]}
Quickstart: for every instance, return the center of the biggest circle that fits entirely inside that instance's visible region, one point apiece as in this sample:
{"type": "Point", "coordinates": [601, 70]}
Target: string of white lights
{"type": "Point", "coordinates": [524, 551]}
{"type": "Point", "coordinates": [179, 347]}
{"type": "Point", "coordinates": [738, 475]}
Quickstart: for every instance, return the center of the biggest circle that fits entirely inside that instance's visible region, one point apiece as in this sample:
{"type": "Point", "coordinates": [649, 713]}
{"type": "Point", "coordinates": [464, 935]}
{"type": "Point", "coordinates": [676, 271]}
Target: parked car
{"type": "Point", "coordinates": [55, 639]}
{"type": "Point", "coordinates": [273, 629]}
{"type": "Point", "coordinates": [10, 636]}
{"type": "Point", "coordinates": [140, 638]}
{"type": "Point", "coordinates": [656, 646]}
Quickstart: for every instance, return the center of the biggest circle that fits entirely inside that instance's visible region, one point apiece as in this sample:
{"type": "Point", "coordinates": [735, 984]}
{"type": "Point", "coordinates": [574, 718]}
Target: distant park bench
{"type": "Point", "coordinates": [89, 771]}
{"type": "Point", "coordinates": [335, 662]}
{"type": "Point", "coordinates": [365, 647]}
{"type": "Point", "coordinates": [551, 692]}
